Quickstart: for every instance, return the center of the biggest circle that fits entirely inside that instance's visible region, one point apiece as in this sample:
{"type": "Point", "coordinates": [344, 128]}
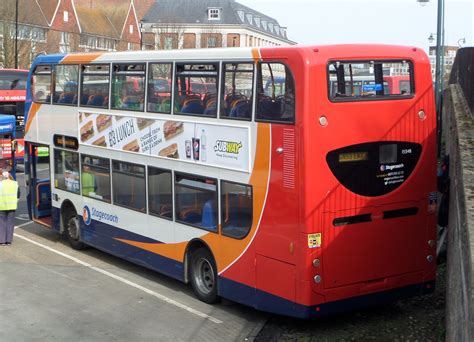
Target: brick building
{"type": "Point", "coordinates": [52, 26]}
{"type": "Point", "coordinates": [211, 23]}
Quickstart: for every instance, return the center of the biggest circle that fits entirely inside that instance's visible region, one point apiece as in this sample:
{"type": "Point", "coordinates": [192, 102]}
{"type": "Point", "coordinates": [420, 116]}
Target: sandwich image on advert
{"type": "Point", "coordinates": [143, 123]}
{"type": "Point", "coordinates": [87, 131]}
{"type": "Point", "coordinates": [170, 151]}
{"type": "Point", "coordinates": [132, 146]}
{"type": "Point", "coordinates": [103, 121]}
{"type": "Point", "coordinates": [172, 129]}
{"type": "Point", "coordinates": [100, 142]}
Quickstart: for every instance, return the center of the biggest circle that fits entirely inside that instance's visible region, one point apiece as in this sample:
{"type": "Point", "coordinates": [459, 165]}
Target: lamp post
{"type": "Point", "coordinates": [439, 54]}
{"type": "Point", "coordinates": [16, 34]}
{"type": "Point", "coordinates": [439, 50]}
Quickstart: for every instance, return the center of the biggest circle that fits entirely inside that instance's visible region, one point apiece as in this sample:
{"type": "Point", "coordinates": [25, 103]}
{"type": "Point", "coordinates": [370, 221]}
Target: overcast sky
{"type": "Point", "coordinates": [403, 22]}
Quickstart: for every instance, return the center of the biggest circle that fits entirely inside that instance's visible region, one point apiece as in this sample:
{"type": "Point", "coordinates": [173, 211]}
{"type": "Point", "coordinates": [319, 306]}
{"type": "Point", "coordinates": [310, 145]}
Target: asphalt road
{"type": "Point", "coordinates": [50, 292]}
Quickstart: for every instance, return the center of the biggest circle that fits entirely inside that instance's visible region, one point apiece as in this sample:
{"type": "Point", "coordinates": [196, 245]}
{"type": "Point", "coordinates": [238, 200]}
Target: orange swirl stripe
{"type": "Point", "coordinates": [31, 115]}
{"type": "Point", "coordinates": [226, 250]}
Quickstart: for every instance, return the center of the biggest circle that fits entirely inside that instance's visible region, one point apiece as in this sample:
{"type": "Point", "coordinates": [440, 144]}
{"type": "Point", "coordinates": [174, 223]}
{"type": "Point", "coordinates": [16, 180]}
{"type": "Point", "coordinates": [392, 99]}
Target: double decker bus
{"type": "Point", "coordinates": [8, 144]}
{"type": "Point", "coordinates": [284, 196]}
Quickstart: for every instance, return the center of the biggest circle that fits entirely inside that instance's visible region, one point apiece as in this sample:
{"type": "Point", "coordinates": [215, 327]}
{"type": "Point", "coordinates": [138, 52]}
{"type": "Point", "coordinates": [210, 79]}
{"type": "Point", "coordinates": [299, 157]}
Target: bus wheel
{"type": "Point", "coordinates": [203, 275]}
{"type": "Point", "coordinates": [72, 231]}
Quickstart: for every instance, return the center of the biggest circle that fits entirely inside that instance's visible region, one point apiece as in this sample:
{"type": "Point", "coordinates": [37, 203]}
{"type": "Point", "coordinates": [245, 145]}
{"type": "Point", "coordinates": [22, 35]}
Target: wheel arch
{"type": "Point", "coordinates": [66, 207]}
{"type": "Point", "coordinates": [192, 246]}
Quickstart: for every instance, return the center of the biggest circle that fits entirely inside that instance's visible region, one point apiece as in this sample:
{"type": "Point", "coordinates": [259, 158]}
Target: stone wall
{"type": "Point", "coordinates": [459, 138]}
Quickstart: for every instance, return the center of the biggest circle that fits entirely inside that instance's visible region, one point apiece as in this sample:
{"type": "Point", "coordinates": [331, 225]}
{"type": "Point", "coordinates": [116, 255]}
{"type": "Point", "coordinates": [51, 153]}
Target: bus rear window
{"type": "Point", "coordinates": [365, 80]}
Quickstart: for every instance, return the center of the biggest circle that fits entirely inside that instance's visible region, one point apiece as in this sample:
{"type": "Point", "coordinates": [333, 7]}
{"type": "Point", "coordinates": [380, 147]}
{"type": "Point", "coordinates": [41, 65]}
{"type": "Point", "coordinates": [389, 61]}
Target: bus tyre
{"type": "Point", "coordinates": [203, 275]}
{"type": "Point", "coordinates": [72, 231]}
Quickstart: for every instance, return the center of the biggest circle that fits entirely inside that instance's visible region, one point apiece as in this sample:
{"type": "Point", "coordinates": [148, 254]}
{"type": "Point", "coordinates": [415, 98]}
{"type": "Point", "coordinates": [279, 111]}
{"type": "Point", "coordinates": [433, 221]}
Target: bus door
{"type": "Point", "coordinates": [37, 168]}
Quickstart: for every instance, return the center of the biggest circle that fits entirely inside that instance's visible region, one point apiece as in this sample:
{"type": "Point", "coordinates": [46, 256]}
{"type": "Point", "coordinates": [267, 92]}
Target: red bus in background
{"type": "Point", "coordinates": [12, 101]}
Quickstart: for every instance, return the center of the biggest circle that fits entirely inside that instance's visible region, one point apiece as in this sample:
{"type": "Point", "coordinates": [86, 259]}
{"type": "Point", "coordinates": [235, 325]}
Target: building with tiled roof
{"type": "Point", "coordinates": [68, 26]}
{"type": "Point", "coordinates": [211, 23]}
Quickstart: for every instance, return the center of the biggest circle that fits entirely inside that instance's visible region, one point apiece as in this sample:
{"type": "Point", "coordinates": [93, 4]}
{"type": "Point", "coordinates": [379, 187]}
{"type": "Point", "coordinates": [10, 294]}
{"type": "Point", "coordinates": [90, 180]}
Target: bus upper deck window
{"type": "Point", "coordinates": [196, 89]}
{"type": "Point", "coordinates": [128, 86]}
{"type": "Point", "coordinates": [276, 93]}
{"type": "Point", "coordinates": [237, 90]}
{"type": "Point", "coordinates": [41, 84]}
{"type": "Point", "coordinates": [95, 85]}
{"type": "Point", "coordinates": [159, 87]}
{"type": "Point", "coordinates": [365, 80]}
{"type": "Point", "coordinates": [65, 84]}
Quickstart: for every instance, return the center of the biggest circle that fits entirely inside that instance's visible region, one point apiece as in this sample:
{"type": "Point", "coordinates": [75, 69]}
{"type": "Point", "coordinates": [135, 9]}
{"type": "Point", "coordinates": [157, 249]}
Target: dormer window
{"type": "Point", "coordinates": [65, 16]}
{"type": "Point", "coordinates": [277, 29]}
{"type": "Point", "coordinates": [257, 21]}
{"type": "Point", "coordinates": [264, 24]}
{"type": "Point", "coordinates": [270, 27]}
{"type": "Point", "coordinates": [241, 15]}
{"type": "Point", "coordinates": [213, 14]}
{"type": "Point", "coordinates": [249, 18]}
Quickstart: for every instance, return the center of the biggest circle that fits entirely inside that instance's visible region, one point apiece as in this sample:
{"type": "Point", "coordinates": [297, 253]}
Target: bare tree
{"type": "Point", "coordinates": [168, 36]}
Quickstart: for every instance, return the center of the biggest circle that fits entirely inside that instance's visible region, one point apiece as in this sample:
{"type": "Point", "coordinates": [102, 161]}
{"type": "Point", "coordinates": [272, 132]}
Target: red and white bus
{"type": "Point", "coordinates": [284, 196]}
{"type": "Point", "coordinates": [12, 100]}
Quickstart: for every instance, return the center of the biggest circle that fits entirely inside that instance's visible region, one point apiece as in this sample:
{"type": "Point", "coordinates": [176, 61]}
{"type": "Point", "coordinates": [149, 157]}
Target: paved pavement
{"type": "Point", "coordinates": [49, 292]}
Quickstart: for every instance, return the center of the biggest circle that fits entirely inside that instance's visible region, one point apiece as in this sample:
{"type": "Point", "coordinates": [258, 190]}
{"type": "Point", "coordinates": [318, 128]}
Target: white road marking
{"type": "Point", "coordinates": [123, 280]}
{"type": "Point", "coordinates": [24, 224]}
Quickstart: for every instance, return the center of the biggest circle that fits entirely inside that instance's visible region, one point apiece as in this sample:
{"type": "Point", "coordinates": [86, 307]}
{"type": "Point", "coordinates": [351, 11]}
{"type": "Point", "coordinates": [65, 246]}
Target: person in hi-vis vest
{"type": "Point", "coordinates": [9, 195]}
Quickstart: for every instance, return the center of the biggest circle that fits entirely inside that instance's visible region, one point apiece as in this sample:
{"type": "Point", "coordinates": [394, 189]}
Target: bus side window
{"type": "Point", "coordinates": [159, 87]}
{"type": "Point", "coordinates": [95, 177]}
{"type": "Point", "coordinates": [236, 209]}
{"type": "Point", "coordinates": [66, 171]}
{"type": "Point", "coordinates": [160, 195]}
{"type": "Point", "coordinates": [196, 89]}
{"type": "Point", "coordinates": [129, 185]}
{"type": "Point", "coordinates": [196, 201]}
{"type": "Point", "coordinates": [276, 93]}
{"type": "Point", "coordinates": [128, 86]}
{"type": "Point", "coordinates": [65, 85]}
{"type": "Point", "coordinates": [95, 85]}
{"type": "Point", "coordinates": [237, 90]}
{"type": "Point", "coordinates": [41, 85]}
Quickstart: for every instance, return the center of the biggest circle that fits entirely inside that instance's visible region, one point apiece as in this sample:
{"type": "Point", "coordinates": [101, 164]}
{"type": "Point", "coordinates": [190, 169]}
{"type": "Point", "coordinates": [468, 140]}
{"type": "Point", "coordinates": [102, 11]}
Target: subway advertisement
{"type": "Point", "coordinates": [215, 145]}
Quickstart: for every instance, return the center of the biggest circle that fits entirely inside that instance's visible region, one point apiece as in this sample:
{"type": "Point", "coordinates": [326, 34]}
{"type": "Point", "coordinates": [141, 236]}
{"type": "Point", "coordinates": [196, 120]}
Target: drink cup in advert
{"type": "Point", "coordinates": [188, 145]}
{"type": "Point", "coordinates": [196, 148]}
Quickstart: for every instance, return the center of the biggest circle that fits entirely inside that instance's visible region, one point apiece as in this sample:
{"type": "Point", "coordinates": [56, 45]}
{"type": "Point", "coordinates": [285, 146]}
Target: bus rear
{"type": "Point", "coordinates": [12, 101]}
{"type": "Point", "coordinates": [369, 178]}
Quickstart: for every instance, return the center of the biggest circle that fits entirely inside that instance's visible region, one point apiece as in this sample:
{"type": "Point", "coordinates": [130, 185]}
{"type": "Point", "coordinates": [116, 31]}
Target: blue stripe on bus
{"type": "Point", "coordinates": [265, 301]}
{"type": "Point", "coordinates": [106, 241]}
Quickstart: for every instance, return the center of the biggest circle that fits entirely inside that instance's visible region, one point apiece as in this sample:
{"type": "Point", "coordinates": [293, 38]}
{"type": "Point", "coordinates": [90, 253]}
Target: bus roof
{"type": "Point", "coordinates": [335, 51]}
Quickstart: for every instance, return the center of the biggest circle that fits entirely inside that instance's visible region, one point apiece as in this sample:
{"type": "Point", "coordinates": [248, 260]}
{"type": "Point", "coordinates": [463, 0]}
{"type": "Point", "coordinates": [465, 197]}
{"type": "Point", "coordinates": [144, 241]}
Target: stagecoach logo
{"type": "Point", "coordinates": [88, 214]}
{"type": "Point", "coordinates": [391, 167]}
{"type": "Point", "coordinates": [227, 146]}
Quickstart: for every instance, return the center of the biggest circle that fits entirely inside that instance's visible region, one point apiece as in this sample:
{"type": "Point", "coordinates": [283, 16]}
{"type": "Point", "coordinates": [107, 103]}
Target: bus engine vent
{"type": "Point", "coordinates": [288, 158]}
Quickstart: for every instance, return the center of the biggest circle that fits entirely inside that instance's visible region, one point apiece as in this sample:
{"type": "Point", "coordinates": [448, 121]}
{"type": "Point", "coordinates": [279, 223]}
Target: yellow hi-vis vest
{"type": "Point", "coordinates": [8, 195]}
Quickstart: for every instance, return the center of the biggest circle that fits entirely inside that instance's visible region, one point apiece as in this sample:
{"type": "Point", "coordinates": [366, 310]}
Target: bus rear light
{"type": "Point", "coordinates": [316, 262]}
{"type": "Point", "coordinates": [317, 308]}
{"type": "Point", "coordinates": [422, 115]}
{"type": "Point", "coordinates": [431, 243]}
{"type": "Point", "coordinates": [317, 278]}
{"type": "Point", "coordinates": [429, 258]}
{"type": "Point", "coordinates": [323, 121]}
